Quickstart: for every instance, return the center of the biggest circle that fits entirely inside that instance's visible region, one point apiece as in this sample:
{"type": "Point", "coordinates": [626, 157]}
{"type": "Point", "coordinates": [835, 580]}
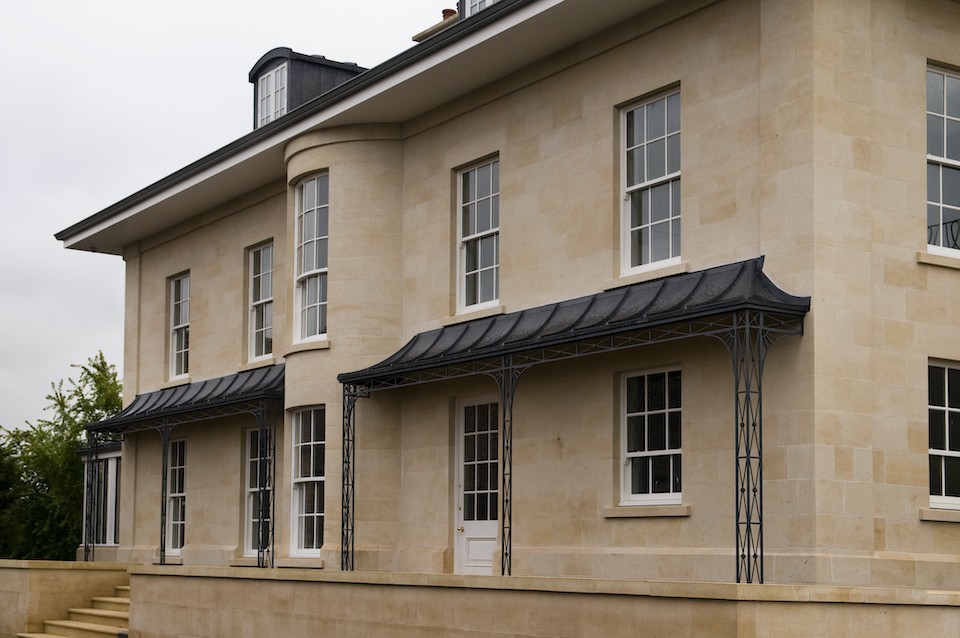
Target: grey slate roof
{"type": "Point", "coordinates": [715, 291]}
{"type": "Point", "coordinates": [259, 383]}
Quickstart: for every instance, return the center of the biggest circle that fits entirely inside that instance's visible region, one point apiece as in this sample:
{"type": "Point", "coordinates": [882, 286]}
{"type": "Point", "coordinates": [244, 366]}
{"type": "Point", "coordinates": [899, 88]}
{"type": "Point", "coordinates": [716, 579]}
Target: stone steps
{"type": "Point", "coordinates": [108, 617]}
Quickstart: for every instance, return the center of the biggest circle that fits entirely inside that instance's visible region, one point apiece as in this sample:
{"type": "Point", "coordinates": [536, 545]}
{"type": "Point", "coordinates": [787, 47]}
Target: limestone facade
{"type": "Point", "coordinates": [803, 132]}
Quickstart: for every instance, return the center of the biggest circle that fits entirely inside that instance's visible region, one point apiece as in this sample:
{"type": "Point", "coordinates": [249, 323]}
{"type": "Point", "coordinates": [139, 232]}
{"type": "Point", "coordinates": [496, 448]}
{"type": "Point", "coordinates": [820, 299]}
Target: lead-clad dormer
{"type": "Point", "coordinates": [283, 80]}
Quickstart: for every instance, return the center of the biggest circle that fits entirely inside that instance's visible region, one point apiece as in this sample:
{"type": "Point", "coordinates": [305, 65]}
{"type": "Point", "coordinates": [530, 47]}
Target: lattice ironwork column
{"type": "Point", "coordinates": [748, 341]}
{"type": "Point", "coordinates": [507, 377]}
{"type": "Point", "coordinates": [350, 395]}
{"type": "Point", "coordinates": [266, 476]}
{"type": "Point", "coordinates": [165, 431]}
{"type": "Point", "coordinates": [89, 516]}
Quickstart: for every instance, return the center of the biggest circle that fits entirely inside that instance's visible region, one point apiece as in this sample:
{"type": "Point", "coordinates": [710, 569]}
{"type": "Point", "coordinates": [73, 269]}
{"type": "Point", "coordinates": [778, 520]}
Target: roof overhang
{"type": "Point", "coordinates": [703, 303]}
{"type": "Point", "coordinates": [478, 50]}
{"type": "Point", "coordinates": [240, 393]}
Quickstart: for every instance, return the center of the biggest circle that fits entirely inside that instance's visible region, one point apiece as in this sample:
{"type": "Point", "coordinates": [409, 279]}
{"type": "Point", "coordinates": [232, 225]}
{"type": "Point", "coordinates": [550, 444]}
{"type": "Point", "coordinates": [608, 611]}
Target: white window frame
{"type": "Point", "coordinates": [261, 302]}
{"type": "Point", "coordinates": [476, 6]}
{"type": "Point", "coordinates": [176, 496]}
{"type": "Point", "coordinates": [478, 234]}
{"type": "Point", "coordinates": [937, 164]}
{"type": "Point", "coordinates": [646, 185]}
{"type": "Point", "coordinates": [308, 482]}
{"type": "Point", "coordinates": [180, 326]}
{"type": "Point", "coordinates": [939, 455]}
{"type": "Point", "coordinates": [252, 520]}
{"type": "Point", "coordinates": [312, 257]}
{"type": "Point", "coordinates": [672, 497]}
{"type": "Point", "coordinates": [106, 498]}
{"type": "Point", "coordinates": [272, 95]}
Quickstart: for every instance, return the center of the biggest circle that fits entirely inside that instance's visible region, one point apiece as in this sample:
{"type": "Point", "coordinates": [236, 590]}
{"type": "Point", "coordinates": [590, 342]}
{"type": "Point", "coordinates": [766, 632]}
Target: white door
{"type": "Point", "coordinates": [478, 476]}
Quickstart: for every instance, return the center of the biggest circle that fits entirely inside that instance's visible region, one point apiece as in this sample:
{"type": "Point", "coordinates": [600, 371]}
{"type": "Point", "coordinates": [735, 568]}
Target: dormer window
{"type": "Point", "coordinates": [284, 80]}
{"type": "Point", "coordinates": [475, 6]}
{"type": "Point", "coordinates": [272, 93]}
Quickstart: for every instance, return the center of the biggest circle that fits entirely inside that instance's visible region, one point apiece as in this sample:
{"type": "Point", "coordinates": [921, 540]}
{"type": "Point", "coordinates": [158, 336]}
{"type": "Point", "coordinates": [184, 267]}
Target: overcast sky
{"type": "Point", "coordinates": [102, 98]}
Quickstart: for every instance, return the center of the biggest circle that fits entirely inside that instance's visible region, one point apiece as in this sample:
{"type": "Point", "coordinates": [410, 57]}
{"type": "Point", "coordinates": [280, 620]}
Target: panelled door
{"type": "Point", "coordinates": [478, 475]}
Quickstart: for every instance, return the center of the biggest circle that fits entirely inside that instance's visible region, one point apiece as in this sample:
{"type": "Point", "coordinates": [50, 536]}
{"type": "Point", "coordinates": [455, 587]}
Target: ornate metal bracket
{"type": "Point", "coordinates": [350, 395]}
{"type": "Point", "coordinates": [507, 377]}
{"type": "Point", "coordinates": [748, 341]}
{"type": "Point", "coordinates": [164, 431]}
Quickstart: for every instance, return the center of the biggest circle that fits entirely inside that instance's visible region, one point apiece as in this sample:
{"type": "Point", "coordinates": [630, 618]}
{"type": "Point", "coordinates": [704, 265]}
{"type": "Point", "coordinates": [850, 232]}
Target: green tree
{"type": "Point", "coordinates": [45, 517]}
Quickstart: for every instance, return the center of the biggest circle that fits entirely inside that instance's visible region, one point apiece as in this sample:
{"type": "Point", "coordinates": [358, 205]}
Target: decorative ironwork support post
{"type": "Point", "coordinates": [266, 443]}
{"type": "Point", "coordinates": [89, 515]}
{"type": "Point", "coordinates": [748, 342]}
{"type": "Point", "coordinates": [506, 378]}
{"type": "Point", "coordinates": [350, 395]}
{"type": "Point", "coordinates": [165, 431]}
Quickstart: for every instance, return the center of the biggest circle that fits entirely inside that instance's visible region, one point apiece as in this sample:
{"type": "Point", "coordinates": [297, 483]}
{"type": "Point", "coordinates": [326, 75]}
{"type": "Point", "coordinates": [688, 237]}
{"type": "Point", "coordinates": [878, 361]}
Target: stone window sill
{"type": "Point", "coordinates": [944, 516]}
{"type": "Point", "coordinates": [935, 259]}
{"type": "Point", "coordinates": [647, 275]}
{"type": "Point", "coordinates": [306, 346]}
{"type": "Point", "coordinates": [646, 511]}
{"type": "Point", "coordinates": [476, 314]}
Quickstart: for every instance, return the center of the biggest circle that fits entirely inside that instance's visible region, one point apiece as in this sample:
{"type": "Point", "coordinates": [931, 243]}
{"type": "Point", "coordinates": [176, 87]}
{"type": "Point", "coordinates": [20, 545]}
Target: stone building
{"type": "Point", "coordinates": [447, 333]}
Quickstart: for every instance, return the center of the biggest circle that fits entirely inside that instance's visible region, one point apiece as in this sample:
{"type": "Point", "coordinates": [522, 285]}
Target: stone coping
{"type": "Point", "coordinates": [653, 588]}
{"type": "Point", "coordinates": [7, 563]}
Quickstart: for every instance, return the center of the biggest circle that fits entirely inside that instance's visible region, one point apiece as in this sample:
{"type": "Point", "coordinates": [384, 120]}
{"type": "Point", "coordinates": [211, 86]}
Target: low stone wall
{"type": "Point", "coordinates": [229, 602]}
{"type": "Point", "coordinates": [32, 591]}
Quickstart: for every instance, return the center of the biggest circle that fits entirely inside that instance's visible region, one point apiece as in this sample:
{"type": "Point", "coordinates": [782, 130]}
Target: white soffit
{"type": "Point", "coordinates": [508, 44]}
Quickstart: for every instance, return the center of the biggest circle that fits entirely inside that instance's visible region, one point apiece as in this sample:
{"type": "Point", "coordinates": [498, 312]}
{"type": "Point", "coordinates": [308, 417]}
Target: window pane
{"type": "Point", "coordinates": [933, 183]}
{"type": "Point", "coordinates": [656, 119]}
{"type": "Point", "coordinates": [482, 447]}
{"type": "Point", "coordinates": [673, 154]}
{"type": "Point", "coordinates": [483, 215]}
{"type": "Point", "coordinates": [936, 386]}
{"type": "Point", "coordinates": [656, 391]}
{"type": "Point", "coordinates": [951, 186]}
{"type": "Point", "coordinates": [673, 389]}
{"type": "Point", "coordinates": [323, 190]}
{"type": "Point", "coordinates": [469, 478]}
{"type": "Point", "coordinates": [673, 113]}
{"type": "Point", "coordinates": [309, 195]}
{"type": "Point", "coordinates": [673, 420]}
{"type": "Point", "coordinates": [934, 92]}
{"type": "Point", "coordinates": [469, 507]}
{"type": "Point", "coordinates": [660, 202]}
{"type": "Point", "coordinates": [470, 449]}
{"type": "Point", "coordinates": [953, 387]}
{"type": "Point", "coordinates": [656, 159]}
{"type": "Point", "coordinates": [495, 211]}
{"type": "Point", "coordinates": [936, 475]}
{"type": "Point", "coordinates": [952, 90]}
{"type": "Point", "coordinates": [934, 135]}
{"type": "Point", "coordinates": [481, 476]}
{"type": "Point", "coordinates": [951, 476]}
{"type": "Point", "coordinates": [321, 253]}
{"type": "Point", "coordinates": [955, 431]}
{"type": "Point", "coordinates": [639, 476]}
{"type": "Point", "coordinates": [657, 431]}
{"type": "Point", "coordinates": [323, 216]}
{"type": "Point", "coordinates": [661, 474]}
{"type": "Point", "coordinates": [482, 500]}
{"type": "Point", "coordinates": [635, 394]}
{"type": "Point", "coordinates": [950, 236]}
{"type": "Point", "coordinates": [660, 241]}
{"type": "Point", "coordinates": [635, 166]}
{"type": "Point", "coordinates": [937, 427]}
{"type": "Point", "coordinates": [483, 181]}
{"type": "Point", "coordinates": [487, 285]}
{"type": "Point", "coordinates": [933, 225]}
{"type": "Point", "coordinates": [676, 473]}
{"type": "Point", "coordinates": [488, 251]}
{"type": "Point", "coordinates": [635, 425]}
{"type": "Point", "coordinates": [953, 140]}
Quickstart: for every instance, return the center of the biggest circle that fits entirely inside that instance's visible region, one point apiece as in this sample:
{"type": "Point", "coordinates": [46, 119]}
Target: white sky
{"type": "Point", "coordinates": [102, 98]}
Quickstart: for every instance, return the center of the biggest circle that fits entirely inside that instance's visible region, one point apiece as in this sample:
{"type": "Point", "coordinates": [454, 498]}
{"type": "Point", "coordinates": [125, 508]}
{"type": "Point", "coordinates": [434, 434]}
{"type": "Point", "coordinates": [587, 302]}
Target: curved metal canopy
{"type": "Point", "coordinates": [179, 402]}
{"type": "Point", "coordinates": [680, 298]}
